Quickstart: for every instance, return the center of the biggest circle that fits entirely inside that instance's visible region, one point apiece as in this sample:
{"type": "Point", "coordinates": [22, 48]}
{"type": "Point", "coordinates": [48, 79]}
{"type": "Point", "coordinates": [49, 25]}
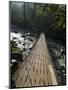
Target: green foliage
{"type": "Point", "coordinates": [49, 18]}
{"type": "Point", "coordinates": [14, 47]}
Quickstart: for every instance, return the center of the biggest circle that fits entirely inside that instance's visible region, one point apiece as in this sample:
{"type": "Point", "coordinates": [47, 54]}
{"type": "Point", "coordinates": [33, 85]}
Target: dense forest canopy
{"type": "Point", "coordinates": [40, 17]}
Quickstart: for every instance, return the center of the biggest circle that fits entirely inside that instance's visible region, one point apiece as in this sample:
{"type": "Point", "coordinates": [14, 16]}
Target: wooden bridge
{"type": "Point", "coordinates": [37, 69]}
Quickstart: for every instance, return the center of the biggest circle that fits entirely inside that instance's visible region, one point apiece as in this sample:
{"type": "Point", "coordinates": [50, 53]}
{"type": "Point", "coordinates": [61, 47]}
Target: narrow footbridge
{"type": "Point", "coordinates": [38, 68]}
